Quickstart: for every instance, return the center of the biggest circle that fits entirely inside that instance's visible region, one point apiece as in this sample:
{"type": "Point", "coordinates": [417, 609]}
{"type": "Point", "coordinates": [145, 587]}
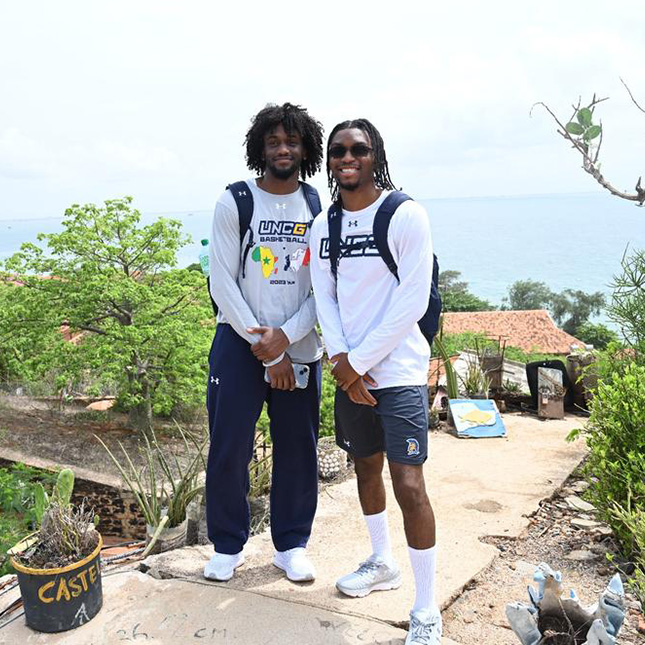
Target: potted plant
{"type": "Point", "coordinates": [163, 488]}
{"type": "Point", "coordinates": [476, 384]}
{"type": "Point", "coordinates": [58, 566]}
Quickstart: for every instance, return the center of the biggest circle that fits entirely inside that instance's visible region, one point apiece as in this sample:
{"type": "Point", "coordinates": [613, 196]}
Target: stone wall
{"type": "Point", "coordinates": [117, 509]}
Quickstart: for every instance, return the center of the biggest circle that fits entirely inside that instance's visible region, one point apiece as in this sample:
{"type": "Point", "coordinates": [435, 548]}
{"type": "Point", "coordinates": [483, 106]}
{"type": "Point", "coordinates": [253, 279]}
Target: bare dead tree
{"type": "Point", "coordinates": [586, 137]}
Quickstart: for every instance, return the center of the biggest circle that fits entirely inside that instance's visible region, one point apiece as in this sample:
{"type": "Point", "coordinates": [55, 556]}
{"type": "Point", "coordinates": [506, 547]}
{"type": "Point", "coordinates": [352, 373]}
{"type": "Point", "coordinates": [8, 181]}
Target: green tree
{"type": "Point", "coordinates": [455, 295]}
{"type": "Point", "coordinates": [597, 335]}
{"type": "Point", "coordinates": [627, 307]}
{"type": "Point", "coordinates": [143, 326]}
{"type": "Point", "coordinates": [528, 294]}
{"type": "Point", "coordinates": [572, 308]}
{"type": "Point", "coordinates": [21, 354]}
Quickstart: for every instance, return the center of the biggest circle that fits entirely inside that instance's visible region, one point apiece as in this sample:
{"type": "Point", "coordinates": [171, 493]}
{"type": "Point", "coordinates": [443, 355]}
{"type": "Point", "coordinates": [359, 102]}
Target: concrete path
{"type": "Point", "coordinates": [484, 487]}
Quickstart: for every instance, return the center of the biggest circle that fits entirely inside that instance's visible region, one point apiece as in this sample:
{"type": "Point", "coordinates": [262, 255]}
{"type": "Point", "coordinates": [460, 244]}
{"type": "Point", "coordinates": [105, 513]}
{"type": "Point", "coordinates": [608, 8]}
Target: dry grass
{"type": "Point", "coordinates": [67, 535]}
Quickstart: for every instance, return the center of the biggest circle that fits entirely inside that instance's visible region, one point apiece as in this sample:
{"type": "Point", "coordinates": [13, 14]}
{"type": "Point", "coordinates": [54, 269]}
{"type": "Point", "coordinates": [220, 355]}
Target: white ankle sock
{"type": "Point", "coordinates": [379, 535]}
{"type": "Point", "coordinates": [424, 565]}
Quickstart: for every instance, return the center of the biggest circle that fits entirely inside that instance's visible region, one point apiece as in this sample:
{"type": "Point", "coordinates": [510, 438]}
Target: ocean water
{"type": "Point", "coordinates": [566, 241]}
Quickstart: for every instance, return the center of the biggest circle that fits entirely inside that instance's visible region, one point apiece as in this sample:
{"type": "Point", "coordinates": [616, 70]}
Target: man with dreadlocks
{"type": "Point", "coordinates": [369, 320]}
{"type": "Point", "coordinates": [260, 280]}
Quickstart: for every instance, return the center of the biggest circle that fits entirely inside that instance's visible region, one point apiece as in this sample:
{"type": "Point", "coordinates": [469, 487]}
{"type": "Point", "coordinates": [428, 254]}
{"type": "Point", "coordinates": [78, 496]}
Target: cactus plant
{"type": "Point", "coordinates": [63, 488]}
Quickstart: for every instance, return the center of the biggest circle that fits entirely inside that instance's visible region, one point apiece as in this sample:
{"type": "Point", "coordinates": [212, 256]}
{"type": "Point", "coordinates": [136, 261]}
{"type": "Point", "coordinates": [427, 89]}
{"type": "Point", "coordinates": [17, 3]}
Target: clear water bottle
{"type": "Point", "coordinates": [203, 258]}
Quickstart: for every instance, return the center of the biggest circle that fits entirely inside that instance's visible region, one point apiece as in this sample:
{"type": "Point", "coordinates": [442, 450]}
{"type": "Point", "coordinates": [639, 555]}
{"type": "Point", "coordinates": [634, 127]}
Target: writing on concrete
{"type": "Point", "coordinates": [184, 627]}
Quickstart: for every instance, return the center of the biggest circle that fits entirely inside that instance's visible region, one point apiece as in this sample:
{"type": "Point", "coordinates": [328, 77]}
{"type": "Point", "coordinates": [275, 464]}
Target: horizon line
{"type": "Point", "coordinates": [422, 199]}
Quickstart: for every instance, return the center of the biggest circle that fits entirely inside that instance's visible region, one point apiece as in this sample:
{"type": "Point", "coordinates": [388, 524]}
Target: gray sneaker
{"type": "Point", "coordinates": [372, 575]}
{"type": "Point", "coordinates": [425, 628]}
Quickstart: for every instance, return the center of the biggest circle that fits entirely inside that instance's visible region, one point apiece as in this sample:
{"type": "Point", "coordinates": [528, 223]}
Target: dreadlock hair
{"type": "Point", "coordinates": [382, 177]}
{"type": "Point", "coordinates": [293, 118]}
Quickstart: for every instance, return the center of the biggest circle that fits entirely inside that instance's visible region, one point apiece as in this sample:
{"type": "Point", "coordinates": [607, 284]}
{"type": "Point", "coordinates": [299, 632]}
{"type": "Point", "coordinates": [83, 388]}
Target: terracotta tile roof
{"type": "Point", "coordinates": [532, 331]}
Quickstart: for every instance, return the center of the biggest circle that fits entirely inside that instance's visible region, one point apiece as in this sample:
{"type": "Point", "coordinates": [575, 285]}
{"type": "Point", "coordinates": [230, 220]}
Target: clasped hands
{"type": "Point", "coordinates": [273, 342]}
{"type": "Point", "coordinates": [350, 381]}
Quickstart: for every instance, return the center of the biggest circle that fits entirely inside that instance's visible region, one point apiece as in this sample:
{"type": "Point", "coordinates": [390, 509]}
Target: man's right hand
{"type": "Point", "coordinates": [281, 375]}
{"type": "Point", "coordinates": [359, 394]}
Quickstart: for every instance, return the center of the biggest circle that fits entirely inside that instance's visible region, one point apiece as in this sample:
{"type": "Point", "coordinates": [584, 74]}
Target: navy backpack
{"type": "Point", "coordinates": [244, 201]}
{"type": "Point", "coordinates": [429, 322]}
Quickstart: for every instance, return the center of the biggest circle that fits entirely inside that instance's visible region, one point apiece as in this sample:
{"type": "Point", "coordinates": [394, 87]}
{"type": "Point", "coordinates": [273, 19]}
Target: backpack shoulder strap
{"type": "Point", "coordinates": [382, 224]}
{"type": "Point", "coordinates": [312, 198]}
{"type": "Point", "coordinates": [244, 200]}
{"type": "Point", "coordinates": [334, 222]}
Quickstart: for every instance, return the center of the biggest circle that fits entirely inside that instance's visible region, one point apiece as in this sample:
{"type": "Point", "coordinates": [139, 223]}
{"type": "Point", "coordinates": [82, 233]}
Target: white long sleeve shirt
{"type": "Point", "coordinates": [367, 312]}
{"type": "Point", "coordinates": [273, 288]}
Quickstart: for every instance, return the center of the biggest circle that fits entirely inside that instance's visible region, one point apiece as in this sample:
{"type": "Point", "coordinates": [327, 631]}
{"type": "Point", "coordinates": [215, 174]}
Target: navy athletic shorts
{"type": "Point", "coordinates": [398, 425]}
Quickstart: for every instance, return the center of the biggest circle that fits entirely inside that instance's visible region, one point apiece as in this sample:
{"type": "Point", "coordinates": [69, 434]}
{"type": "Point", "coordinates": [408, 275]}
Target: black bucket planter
{"type": "Point", "coordinates": [56, 600]}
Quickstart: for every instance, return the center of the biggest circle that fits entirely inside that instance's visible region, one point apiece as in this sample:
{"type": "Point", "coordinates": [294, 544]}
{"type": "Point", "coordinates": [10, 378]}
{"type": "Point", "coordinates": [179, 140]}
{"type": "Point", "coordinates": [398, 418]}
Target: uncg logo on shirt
{"type": "Point", "coordinates": [353, 246]}
{"type": "Point", "coordinates": [296, 229]}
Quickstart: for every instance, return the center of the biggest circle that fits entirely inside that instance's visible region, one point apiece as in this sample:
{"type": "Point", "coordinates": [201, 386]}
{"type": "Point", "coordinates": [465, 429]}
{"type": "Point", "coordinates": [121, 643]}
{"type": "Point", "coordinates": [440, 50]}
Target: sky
{"type": "Point", "coordinates": [153, 98]}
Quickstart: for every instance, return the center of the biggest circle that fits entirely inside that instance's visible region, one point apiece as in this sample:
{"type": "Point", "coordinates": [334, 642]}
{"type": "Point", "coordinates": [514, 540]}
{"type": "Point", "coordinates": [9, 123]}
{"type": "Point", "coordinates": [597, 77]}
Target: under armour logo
{"type": "Point", "coordinates": [354, 222]}
{"type": "Point", "coordinates": [281, 206]}
{"type": "Point", "coordinates": [214, 380]}
{"type": "Point", "coordinates": [242, 193]}
{"type": "Point", "coordinates": [347, 443]}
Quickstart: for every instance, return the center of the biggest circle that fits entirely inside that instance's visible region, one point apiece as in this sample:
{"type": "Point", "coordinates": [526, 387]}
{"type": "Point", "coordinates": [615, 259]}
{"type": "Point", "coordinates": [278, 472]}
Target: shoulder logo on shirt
{"type": "Point", "coordinates": [264, 255]}
{"type": "Point", "coordinates": [413, 447]}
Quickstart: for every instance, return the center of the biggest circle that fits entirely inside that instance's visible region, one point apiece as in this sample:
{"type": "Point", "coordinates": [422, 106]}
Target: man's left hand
{"type": "Point", "coordinates": [273, 343]}
{"type": "Point", "coordinates": [343, 372]}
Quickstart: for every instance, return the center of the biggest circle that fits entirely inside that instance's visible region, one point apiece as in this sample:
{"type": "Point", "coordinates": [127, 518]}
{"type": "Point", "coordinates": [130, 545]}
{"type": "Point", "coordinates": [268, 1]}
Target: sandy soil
{"type": "Point", "coordinates": [478, 615]}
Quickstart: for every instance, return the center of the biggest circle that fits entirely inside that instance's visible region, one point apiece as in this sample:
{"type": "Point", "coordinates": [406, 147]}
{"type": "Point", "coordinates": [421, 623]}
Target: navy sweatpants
{"type": "Point", "coordinates": [236, 393]}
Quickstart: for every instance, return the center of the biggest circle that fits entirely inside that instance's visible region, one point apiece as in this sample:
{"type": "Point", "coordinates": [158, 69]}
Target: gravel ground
{"type": "Point", "coordinates": [564, 538]}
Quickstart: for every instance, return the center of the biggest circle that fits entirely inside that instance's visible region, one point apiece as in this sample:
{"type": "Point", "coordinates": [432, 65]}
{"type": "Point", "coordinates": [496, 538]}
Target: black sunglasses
{"type": "Point", "coordinates": [357, 150]}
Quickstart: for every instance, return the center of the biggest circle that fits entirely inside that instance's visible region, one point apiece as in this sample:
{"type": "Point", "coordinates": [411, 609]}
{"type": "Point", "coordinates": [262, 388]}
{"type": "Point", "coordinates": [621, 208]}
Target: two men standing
{"type": "Point", "coordinates": [368, 314]}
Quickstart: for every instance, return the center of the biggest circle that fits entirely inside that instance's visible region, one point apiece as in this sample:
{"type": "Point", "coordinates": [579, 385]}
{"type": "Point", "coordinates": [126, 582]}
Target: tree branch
{"type": "Point", "coordinates": [631, 96]}
{"type": "Point", "coordinates": [590, 159]}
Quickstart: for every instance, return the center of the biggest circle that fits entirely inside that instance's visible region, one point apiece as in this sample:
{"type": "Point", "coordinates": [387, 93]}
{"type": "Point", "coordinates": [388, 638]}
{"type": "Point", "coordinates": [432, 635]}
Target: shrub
{"type": "Point", "coordinates": [615, 435]}
{"type": "Point", "coordinates": [18, 486]}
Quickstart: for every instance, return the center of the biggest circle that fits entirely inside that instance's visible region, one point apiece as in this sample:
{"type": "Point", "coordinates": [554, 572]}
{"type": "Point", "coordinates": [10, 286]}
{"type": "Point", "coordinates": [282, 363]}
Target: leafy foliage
{"type": "Point", "coordinates": [570, 308]}
{"type": "Point", "coordinates": [163, 485]}
{"type": "Point", "coordinates": [627, 306]}
{"type": "Point", "coordinates": [139, 325]}
{"type": "Point", "coordinates": [18, 491]}
{"type": "Point", "coordinates": [455, 295]}
{"type": "Point", "coordinates": [615, 435]}
{"type": "Point", "coordinates": [524, 295]}
{"type": "Point", "coordinates": [597, 335]}
{"type": "Point", "coordinates": [456, 343]}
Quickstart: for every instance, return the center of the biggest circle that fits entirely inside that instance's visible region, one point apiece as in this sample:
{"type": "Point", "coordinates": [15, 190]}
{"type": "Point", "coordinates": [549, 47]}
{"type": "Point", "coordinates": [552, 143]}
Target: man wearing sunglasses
{"type": "Point", "coordinates": [369, 320]}
{"type": "Point", "coordinates": [259, 278]}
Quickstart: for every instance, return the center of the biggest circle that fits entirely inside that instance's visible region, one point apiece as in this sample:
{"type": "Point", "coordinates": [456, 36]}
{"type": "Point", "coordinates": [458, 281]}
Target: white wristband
{"type": "Point", "coordinates": [273, 362]}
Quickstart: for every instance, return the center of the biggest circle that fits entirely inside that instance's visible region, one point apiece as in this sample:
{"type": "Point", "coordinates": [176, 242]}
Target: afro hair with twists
{"type": "Point", "coordinates": [382, 177]}
{"type": "Point", "coordinates": [293, 118]}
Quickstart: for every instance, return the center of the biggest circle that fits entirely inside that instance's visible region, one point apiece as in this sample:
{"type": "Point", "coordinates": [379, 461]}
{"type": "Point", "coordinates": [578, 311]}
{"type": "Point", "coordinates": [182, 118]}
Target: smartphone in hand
{"type": "Point", "coordinates": [300, 373]}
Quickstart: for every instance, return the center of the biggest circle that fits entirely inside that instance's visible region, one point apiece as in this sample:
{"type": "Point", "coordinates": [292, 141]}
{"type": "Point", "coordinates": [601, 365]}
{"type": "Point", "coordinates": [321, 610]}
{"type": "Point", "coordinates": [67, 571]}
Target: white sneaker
{"type": "Point", "coordinates": [222, 566]}
{"type": "Point", "coordinates": [295, 564]}
{"type": "Point", "coordinates": [425, 628]}
{"type": "Point", "coordinates": [372, 575]}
